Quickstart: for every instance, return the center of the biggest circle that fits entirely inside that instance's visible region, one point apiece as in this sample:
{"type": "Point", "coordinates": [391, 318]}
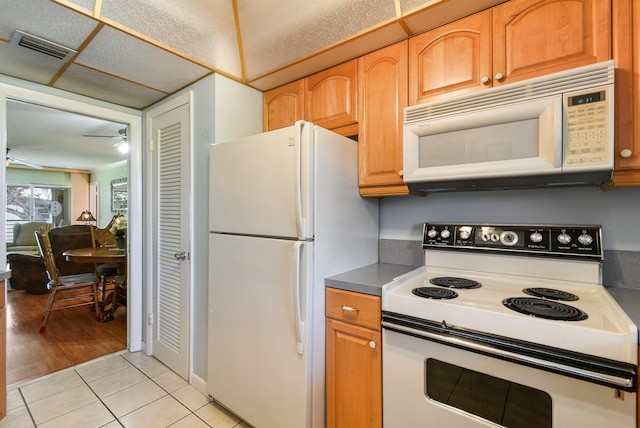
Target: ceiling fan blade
{"type": "Point", "coordinates": [102, 136]}
{"type": "Point", "coordinates": [25, 163]}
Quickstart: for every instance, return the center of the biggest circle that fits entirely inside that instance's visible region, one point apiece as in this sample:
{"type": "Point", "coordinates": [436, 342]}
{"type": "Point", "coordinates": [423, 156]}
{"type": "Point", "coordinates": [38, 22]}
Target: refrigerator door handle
{"type": "Point", "coordinates": [297, 284]}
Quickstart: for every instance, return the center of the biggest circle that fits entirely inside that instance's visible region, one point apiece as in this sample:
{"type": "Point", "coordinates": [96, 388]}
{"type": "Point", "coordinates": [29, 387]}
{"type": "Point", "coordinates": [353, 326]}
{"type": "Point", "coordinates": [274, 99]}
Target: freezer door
{"type": "Point", "coordinates": [259, 352]}
{"type": "Point", "coordinates": [260, 185]}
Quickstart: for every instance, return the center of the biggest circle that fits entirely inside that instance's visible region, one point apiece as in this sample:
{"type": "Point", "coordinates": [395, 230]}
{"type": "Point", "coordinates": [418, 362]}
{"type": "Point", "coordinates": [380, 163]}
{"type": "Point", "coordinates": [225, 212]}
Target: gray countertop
{"type": "Point", "coordinates": [5, 274]}
{"type": "Point", "coordinates": [370, 279]}
{"type": "Point", "coordinates": [629, 301]}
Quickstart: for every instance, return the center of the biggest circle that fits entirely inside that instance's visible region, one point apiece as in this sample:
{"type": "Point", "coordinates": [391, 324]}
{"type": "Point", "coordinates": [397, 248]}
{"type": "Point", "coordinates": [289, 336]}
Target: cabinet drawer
{"type": "Point", "coordinates": [355, 308]}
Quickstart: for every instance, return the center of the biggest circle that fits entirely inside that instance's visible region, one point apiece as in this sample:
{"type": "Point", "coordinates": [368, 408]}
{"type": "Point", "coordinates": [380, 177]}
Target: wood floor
{"type": "Point", "coordinates": [73, 336]}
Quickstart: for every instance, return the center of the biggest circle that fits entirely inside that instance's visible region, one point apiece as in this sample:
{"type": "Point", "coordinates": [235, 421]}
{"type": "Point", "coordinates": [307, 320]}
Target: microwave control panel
{"type": "Point", "coordinates": [588, 121]}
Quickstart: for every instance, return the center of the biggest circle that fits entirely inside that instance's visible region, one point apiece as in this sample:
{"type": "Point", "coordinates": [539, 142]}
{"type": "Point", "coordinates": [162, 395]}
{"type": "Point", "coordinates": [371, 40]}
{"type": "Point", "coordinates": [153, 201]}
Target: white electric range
{"type": "Point", "coordinates": [507, 325]}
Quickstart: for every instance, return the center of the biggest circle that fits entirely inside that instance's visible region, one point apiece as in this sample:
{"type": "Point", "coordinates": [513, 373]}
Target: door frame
{"type": "Point", "coordinates": [151, 258]}
{"type": "Point", "coordinates": [111, 112]}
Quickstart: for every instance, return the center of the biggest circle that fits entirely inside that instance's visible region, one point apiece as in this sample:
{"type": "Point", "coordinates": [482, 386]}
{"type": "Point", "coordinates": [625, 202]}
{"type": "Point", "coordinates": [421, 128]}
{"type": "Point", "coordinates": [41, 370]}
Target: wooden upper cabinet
{"type": "Point", "coordinates": [626, 55]}
{"type": "Point", "coordinates": [533, 37]}
{"type": "Point", "coordinates": [382, 97]}
{"type": "Point", "coordinates": [331, 96]}
{"type": "Point", "coordinates": [284, 105]}
{"type": "Point", "coordinates": [451, 59]}
{"type": "Point", "coordinates": [513, 41]}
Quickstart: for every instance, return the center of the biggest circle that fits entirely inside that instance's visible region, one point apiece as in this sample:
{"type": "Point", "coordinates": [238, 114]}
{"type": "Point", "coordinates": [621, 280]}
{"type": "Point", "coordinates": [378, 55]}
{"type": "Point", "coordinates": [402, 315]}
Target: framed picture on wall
{"type": "Point", "coordinates": [119, 192]}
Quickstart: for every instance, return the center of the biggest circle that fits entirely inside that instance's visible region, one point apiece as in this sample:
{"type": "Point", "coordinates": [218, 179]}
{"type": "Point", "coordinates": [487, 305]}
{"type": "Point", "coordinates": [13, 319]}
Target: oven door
{"type": "Point", "coordinates": [433, 383]}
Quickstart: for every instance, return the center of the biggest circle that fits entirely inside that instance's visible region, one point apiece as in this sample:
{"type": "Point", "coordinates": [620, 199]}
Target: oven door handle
{"type": "Point", "coordinates": [619, 382]}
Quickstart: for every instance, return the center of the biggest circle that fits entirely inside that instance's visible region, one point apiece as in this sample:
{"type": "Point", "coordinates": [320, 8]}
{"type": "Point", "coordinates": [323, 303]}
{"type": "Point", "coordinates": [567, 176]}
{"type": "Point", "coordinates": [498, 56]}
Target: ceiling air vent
{"type": "Point", "coordinates": [41, 45]}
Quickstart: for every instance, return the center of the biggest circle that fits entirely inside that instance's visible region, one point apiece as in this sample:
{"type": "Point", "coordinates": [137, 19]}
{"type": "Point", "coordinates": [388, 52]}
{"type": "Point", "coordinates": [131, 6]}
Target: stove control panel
{"type": "Point", "coordinates": [545, 240]}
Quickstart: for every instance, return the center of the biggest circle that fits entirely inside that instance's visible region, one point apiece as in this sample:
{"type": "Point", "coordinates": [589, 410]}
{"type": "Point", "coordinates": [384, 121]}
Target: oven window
{"type": "Point", "coordinates": [506, 403]}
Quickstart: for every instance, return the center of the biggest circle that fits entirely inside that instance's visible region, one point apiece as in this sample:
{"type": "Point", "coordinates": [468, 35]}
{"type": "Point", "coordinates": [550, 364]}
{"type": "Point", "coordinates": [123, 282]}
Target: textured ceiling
{"type": "Point", "coordinates": [134, 53]}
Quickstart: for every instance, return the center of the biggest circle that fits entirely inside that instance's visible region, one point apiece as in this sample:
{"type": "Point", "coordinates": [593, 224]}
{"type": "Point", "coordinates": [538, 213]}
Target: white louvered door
{"type": "Point", "coordinates": [171, 295]}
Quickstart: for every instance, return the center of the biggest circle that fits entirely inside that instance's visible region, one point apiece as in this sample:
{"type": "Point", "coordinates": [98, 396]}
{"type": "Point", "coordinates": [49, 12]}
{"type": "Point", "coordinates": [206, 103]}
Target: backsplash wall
{"type": "Point", "coordinates": [618, 211]}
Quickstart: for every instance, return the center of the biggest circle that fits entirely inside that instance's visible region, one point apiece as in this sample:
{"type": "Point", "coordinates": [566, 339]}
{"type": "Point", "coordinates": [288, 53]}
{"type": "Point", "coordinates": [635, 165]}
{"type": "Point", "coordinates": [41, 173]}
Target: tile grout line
{"type": "Point", "coordinates": [99, 399]}
{"type": "Point", "coordinates": [117, 419]}
{"type": "Point", "coordinates": [26, 405]}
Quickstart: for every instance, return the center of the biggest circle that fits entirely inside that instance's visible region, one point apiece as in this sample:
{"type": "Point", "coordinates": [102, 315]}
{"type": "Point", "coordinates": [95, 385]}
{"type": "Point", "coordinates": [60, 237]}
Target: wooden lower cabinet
{"type": "Point", "coordinates": [354, 361]}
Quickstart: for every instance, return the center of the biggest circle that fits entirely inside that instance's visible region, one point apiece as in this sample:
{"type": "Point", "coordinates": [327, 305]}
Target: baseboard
{"type": "Point", "coordinates": [200, 384]}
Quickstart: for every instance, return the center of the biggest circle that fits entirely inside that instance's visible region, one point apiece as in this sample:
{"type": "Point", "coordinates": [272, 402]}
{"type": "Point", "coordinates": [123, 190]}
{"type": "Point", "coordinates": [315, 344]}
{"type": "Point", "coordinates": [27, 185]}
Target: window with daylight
{"type": "Point", "coordinates": [27, 203]}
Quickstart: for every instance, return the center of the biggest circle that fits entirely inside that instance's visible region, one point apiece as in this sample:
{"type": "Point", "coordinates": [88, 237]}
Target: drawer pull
{"type": "Point", "coordinates": [349, 309]}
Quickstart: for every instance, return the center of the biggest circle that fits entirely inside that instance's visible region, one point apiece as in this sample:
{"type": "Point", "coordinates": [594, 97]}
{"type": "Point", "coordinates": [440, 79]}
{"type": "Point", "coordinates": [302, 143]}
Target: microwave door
{"type": "Point", "coordinates": [508, 141]}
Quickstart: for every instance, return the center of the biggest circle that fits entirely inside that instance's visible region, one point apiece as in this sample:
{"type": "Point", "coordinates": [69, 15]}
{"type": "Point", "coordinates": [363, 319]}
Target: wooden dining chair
{"type": "Point", "coordinates": [112, 278]}
{"type": "Point", "coordinates": [67, 291]}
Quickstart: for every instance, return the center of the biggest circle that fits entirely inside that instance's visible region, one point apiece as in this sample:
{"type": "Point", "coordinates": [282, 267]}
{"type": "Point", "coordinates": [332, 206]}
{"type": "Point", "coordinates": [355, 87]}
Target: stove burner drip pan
{"type": "Point", "coordinates": [454, 282]}
{"type": "Point", "coordinates": [435, 293]}
{"type": "Point", "coordinates": [550, 293]}
{"type": "Point", "coordinates": [542, 308]}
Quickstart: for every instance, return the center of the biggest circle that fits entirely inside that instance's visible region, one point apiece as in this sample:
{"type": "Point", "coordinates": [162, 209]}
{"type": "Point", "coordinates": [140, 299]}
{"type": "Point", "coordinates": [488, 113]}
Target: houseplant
{"type": "Point", "coordinates": [119, 229]}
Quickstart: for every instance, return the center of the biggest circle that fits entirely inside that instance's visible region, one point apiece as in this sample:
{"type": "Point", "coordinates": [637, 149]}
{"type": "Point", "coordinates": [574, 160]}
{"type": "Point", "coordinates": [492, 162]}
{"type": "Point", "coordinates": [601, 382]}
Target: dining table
{"type": "Point", "coordinates": [97, 255]}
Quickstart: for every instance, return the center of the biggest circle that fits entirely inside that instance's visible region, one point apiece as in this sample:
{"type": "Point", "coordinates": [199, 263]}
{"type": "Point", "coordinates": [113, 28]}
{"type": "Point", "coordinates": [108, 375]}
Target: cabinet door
{"type": "Point", "coordinates": [533, 37]}
{"type": "Point", "coordinates": [331, 96]}
{"type": "Point", "coordinates": [283, 106]}
{"type": "Point", "coordinates": [382, 79]}
{"type": "Point", "coordinates": [626, 54]}
{"type": "Point", "coordinates": [451, 60]}
{"type": "Point", "coordinates": [354, 376]}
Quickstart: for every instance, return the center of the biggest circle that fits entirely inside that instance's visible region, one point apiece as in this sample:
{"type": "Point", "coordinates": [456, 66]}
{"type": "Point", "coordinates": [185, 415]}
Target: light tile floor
{"type": "Point", "coordinates": [119, 390]}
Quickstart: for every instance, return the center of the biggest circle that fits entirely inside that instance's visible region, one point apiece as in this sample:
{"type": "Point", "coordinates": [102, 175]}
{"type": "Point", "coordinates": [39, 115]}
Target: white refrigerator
{"type": "Point", "coordinates": [285, 213]}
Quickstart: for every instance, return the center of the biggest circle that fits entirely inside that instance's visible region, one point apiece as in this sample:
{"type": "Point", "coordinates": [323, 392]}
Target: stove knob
{"type": "Point", "coordinates": [536, 237]}
{"type": "Point", "coordinates": [445, 234]}
{"type": "Point", "coordinates": [509, 238]}
{"type": "Point", "coordinates": [564, 238]}
{"type": "Point", "coordinates": [585, 239]}
{"type": "Point", "coordinates": [464, 234]}
{"type": "Point", "coordinates": [432, 233]}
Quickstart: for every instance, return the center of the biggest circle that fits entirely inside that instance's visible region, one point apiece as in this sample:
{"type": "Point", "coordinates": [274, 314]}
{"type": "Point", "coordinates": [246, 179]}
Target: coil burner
{"type": "Point", "coordinates": [435, 293]}
{"type": "Point", "coordinates": [543, 308]}
{"type": "Point", "coordinates": [454, 282]}
{"type": "Point", "coordinates": [550, 293]}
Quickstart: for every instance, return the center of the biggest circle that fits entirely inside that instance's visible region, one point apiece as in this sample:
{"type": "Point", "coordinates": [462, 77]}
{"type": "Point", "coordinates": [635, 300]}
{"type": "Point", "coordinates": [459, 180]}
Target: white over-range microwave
{"type": "Point", "coordinates": [556, 129]}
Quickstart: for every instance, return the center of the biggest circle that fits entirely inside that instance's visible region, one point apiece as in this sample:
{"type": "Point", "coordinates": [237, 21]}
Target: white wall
{"type": "Point", "coordinates": [222, 109]}
{"type": "Point", "coordinates": [618, 211]}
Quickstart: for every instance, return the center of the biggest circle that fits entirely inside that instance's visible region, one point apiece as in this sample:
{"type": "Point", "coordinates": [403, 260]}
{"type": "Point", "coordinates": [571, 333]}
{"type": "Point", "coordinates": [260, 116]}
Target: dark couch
{"type": "Point", "coordinates": [27, 270]}
{"type": "Point", "coordinates": [27, 273]}
{"type": "Point", "coordinates": [69, 238]}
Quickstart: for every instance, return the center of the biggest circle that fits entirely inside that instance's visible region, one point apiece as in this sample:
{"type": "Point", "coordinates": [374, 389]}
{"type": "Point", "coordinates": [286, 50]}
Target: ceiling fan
{"type": "Point", "coordinates": [122, 135]}
{"type": "Point", "coordinates": [122, 145]}
{"type": "Point", "coordinates": [10, 160]}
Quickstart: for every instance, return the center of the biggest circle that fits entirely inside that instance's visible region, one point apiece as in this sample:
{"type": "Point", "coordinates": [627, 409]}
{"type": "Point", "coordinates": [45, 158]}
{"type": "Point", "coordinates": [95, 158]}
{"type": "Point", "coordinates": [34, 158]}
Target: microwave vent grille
{"type": "Point", "coordinates": [576, 79]}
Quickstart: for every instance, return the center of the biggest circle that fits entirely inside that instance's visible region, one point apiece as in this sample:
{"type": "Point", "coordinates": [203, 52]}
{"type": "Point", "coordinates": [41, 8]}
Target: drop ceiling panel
{"type": "Point", "coordinates": [380, 38]}
{"type": "Point", "coordinates": [26, 64]}
{"type": "Point", "coordinates": [82, 80]}
{"type": "Point", "coordinates": [86, 4]}
{"type": "Point", "coordinates": [120, 54]}
{"type": "Point", "coordinates": [45, 19]}
{"type": "Point", "coordinates": [276, 33]}
{"type": "Point", "coordinates": [199, 28]}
